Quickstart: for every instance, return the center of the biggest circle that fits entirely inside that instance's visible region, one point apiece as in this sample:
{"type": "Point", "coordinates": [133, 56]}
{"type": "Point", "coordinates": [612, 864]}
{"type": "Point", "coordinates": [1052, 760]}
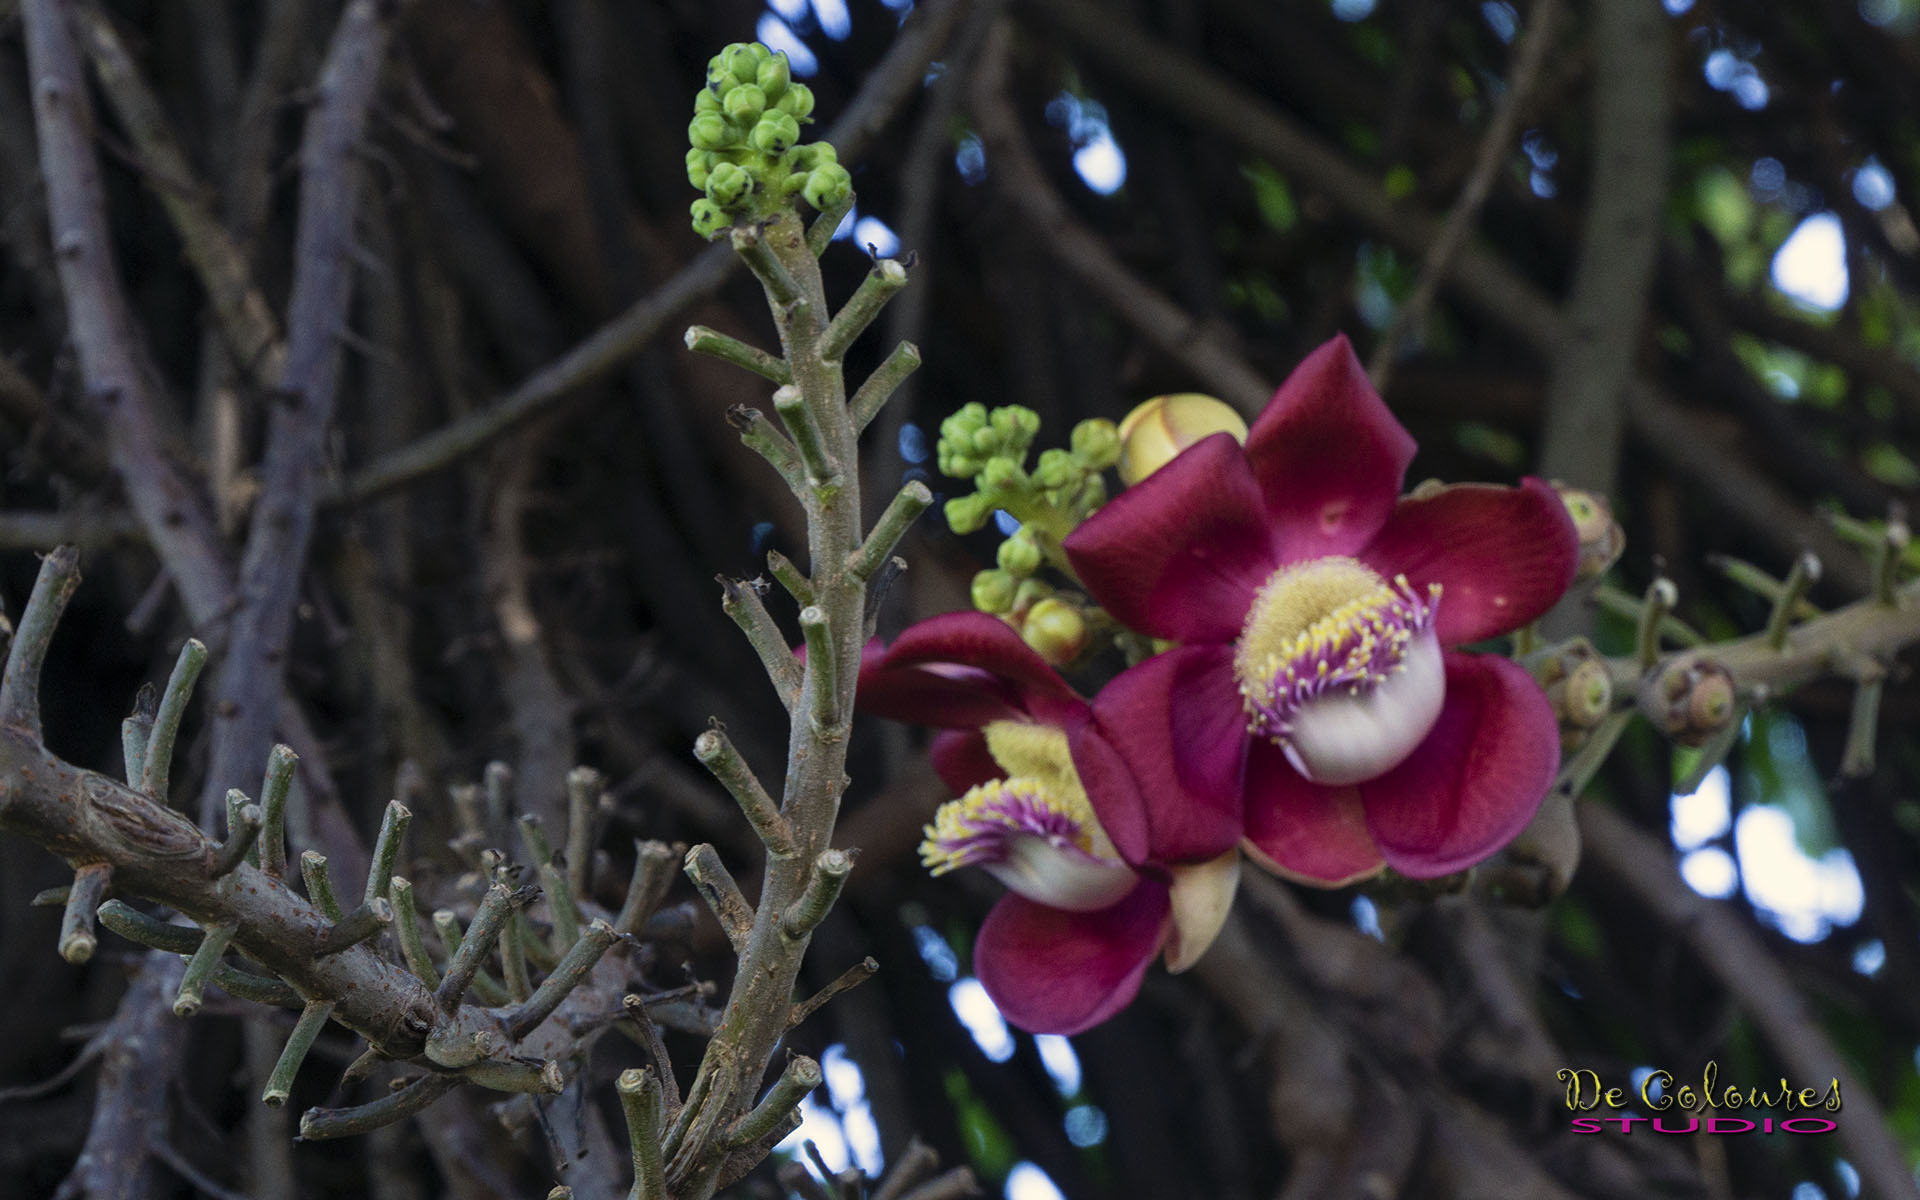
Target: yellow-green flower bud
{"type": "Point", "coordinates": [744, 104]}
{"type": "Point", "coordinates": [1018, 556]}
{"type": "Point", "coordinates": [993, 591]}
{"type": "Point", "coordinates": [1056, 630]}
{"type": "Point", "coordinates": [986, 441]}
{"type": "Point", "coordinates": [1001, 475]}
{"type": "Point", "coordinates": [699, 164]}
{"type": "Point", "coordinates": [1158, 430]}
{"type": "Point", "coordinates": [1016, 423]}
{"type": "Point", "coordinates": [1096, 443]}
{"type": "Point", "coordinates": [706, 100]}
{"type": "Point", "coordinates": [741, 62]}
{"type": "Point", "coordinates": [1029, 593]}
{"type": "Point", "coordinates": [728, 184]}
{"type": "Point", "coordinates": [796, 101]}
{"type": "Point", "coordinates": [827, 186]}
{"type": "Point", "coordinates": [708, 220]}
{"type": "Point", "coordinates": [710, 131]}
{"type": "Point", "coordinates": [1601, 538]}
{"type": "Point", "coordinates": [967, 514]}
{"type": "Point", "coordinates": [775, 133]}
{"type": "Point", "coordinates": [1055, 469]}
{"type": "Point", "coordinates": [774, 75]}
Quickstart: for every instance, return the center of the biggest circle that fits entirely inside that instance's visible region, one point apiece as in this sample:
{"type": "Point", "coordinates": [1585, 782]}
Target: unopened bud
{"type": "Point", "coordinates": [708, 220]}
{"type": "Point", "coordinates": [1096, 442]}
{"type": "Point", "coordinates": [1689, 700]}
{"type": "Point", "coordinates": [699, 165]}
{"type": "Point", "coordinates": [728, 184]}
{"type": "Point", "coordinates": [967, 514]}
{"type": "Point", "coordinates": [1018, 556]}
{"type": "Point", "coordinates": [741, 62]}
{"type": "Point", "coordinates": [1056, 630]}
{"type": "Point", "coordinates": [744, 103]}
{"type": "Point", "coordinates": [1056, 468]}
{"type": "Point", "coordinates": [1601, 538]}
{"type": "Point", "coordinates": [1029, 593]}
{"type": "Point", "coordinates": [796, 101]}
{"type": "Point", "coordinates": [828, 186]}
{"type": "Point", "coordinates": [1577, 683]}
{"type": "Point", "coordinates": [775, 133]}
{"type": "Point", "coordinates": [1001, 475]}
{"type": "Point", "coordinates": [774, 75]}
{"type": "Point", "coordinates": [710, 131]}
{"type": "Point", "coordinates": [993, 591]}
{"type": "Point", "coordinates": [1155, 432]}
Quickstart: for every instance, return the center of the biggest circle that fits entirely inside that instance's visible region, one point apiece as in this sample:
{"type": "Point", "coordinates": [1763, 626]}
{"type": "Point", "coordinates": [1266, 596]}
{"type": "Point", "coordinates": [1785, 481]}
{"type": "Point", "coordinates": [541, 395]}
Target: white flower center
{"type": "Point", "coordinates": [1035, 830]}
{"type": "Point", "coordinates": [1340, 669]}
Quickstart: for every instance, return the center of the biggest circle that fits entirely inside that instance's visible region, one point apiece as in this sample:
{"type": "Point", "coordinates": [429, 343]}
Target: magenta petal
{"type": "Point", "coordinates": [1502, 556]}
{"type": "Point", "coordinates": [961, 760]}
{"type": "Point", "coordinates": [1303, 830]}
{"type": "Point", "coordinates": [1112, 791]}
{"type": "Point", "coordinates": [1329, 456]}
{"type": "Point", "coordinates": [961, 670]}
{"type": "Point", "coordinates": [1180, 554]}
{"type": "Point", "coordinates": [1477, 779]}
{"type": "Point", "coordinates": [1177, 721]}
{"type": "Point", "coordinates": [1050, 971]}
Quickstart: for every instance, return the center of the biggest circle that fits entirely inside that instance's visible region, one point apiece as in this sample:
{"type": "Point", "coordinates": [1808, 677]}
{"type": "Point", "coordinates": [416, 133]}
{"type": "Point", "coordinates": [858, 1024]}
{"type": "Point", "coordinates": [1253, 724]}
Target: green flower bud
{"type": "Point", "coordinates": [699, 164]}
{"type": "Point", "coordinates": [775, 134]}
{"type": "Point", "coordinates": [707, 218]}
{"type": "Point", "coordinates": [1001, 474]}
{"type": "Point", "coordinates": [1018, 556]}
{"type": "Point", "coordinates": [1029, 593]}
{"type": "Point", "coordinates": [1055, 469]}
{"type": "Point", "coordinates": [1601, 538]}
{"type": "Point", "coordinates": [710, 131]}
{"type": "Point", "coordinates": [970, 417]}
{"type": "Point", "coordinates": [1016, 425]}
{"type": "Point", "coordinates": [967, 514]}
{"type": "Point", "coordinates": [740, 62]}
{"type": "Point", "coordinates": [827, 186]}
{"type": "Point", "coordinates": [960, 466]}
{"type": "Point", "coordinates": [824, 153]}
{"type": "Point", "coordinates": [744, 104]}
{"type": "Point", "coordinates": [986, 441]}
{"type": "Point", "coordinates": [729, 184]}
{"type": "Point", "coordinates": [993, 591]}
{"type": "Point", "coordinates": [797, 101]}
{"type": "Point", "coordinates": [793, 184]}
{"type": "Point", "coordinates": [774, 75]}
{"type": "Point", "coordinates": [1056, 630]}
{"type": "Point", "coordinates": [706, 100]}
{"type": "Point", "coordinates": [1096, 443]}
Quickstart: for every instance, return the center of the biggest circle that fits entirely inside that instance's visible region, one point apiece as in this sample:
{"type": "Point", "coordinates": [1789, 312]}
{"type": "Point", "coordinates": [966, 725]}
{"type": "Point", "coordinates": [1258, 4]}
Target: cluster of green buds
{"type": "Point", "coordinates": [990, 447]}
{"type": "Point", "coordinates": [745, 134]}
{"type": "Point", "coordinates": [1063, 487]}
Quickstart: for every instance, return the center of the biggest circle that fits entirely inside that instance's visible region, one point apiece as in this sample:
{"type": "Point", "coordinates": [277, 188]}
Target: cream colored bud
{"type": "Point", "coordinates": [1153, 433]}
{"type": "Point", "coordinates": [1056, 630]}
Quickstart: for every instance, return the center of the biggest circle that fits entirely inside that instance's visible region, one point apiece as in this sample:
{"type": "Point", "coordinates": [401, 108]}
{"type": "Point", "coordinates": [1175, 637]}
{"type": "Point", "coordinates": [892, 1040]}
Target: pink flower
{"type": "Point", "coordinates": [1101, 875]}
{"type": "Point", "coordinates": [1317, 609]}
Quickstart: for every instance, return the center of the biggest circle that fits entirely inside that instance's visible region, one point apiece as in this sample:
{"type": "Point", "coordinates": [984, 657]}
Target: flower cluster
{"type": "Point", "coordinates": [745, 134]}
{"type": "Point", "coordinates": [1310, 704]}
